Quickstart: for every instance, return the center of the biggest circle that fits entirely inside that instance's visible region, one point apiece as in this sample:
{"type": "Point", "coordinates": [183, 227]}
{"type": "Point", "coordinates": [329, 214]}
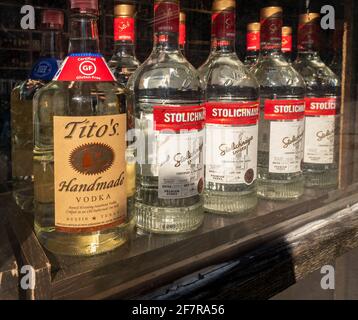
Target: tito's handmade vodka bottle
{"type": "Point", "coordinates": [252, 44]}
{"type": "Point", "coordinates": [21, 107]}
{"type": "Point", "coordinates": [322, 107]}
{"type": "Point", "coordinates": [170, 121]}
{"type": "Point", "coordinates": [281, 129]}
{"type": "Point", "coordinates": [232, 112]}
{"type": "Point", "coordinates": [81, 201]}
{"type": "Point", "coordinates": [124, 62]}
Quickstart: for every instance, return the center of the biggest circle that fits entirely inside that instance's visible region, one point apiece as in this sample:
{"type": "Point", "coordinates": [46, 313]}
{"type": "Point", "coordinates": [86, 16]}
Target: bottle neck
{"type": "Point", "coordinates": [166, 26]}
{"type": "Point", "coordinates": [271, 35]}
{"type": "Point", "coordinates": [308, 39]}
{"type": "Point", "coordinates": [84, 34]}
{"type": "Point", "coordinates": [124, 48]}
{"type": "Point", "coordinates": [51, 44]}
{"type": "Point", "coordinates": [253, 43]}
{"type": "Point", "coordinates": [224, 31]}
{"type": "Point", "coordinates": [182, 36]}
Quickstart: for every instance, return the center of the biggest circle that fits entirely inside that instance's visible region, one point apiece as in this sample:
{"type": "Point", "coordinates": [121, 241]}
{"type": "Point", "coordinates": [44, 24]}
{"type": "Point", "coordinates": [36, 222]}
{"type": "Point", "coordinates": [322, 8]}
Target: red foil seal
{"type": "Point", "coordinates": [308, 36]}
{"type": "Point", "coordinates": [166, 17]}
{"type": "Point", "coordinates": [84, 5]}
{"type": "Point", "coordinates": [124, 29]}
{"type": "Point", "coordinates": [286, 43]}
{"type": "Point", "coordinates": [271, 32]}
{"type": "Point", "coordinates": [253, 41]}
{"type": "Point", "coordinates": [182, 34]}
{"type": "Point", "coordinates": [223, 25]}
{"type": "Point", "coordinates": [53, 18]}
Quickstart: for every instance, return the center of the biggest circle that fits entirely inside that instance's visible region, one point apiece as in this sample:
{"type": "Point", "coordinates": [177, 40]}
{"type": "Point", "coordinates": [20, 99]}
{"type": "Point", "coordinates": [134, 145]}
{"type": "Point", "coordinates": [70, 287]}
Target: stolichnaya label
{"type": "Point", "coordinates": [90, 172]}
{"type": "Point", "coordinates": [124, 29]}
{"type": "Point", "coordinates": [231, 140]}
{"type": "Point", "coordinates": [166, 17]}
{"type": "Point", "coordinates": [271, 32]}
{"type": "Point", "coordinates": [84, 67]}
{"type": "Point", "coordinates": [45, 69]}
{"type": "Point", "coordinates": [182, 34]}
{"type": "Point", "coordinates": [320, 130]}
{"type": "Point", "coordinates": [286, 132]}
{"type": "Point", "coordinates": [179, 150]}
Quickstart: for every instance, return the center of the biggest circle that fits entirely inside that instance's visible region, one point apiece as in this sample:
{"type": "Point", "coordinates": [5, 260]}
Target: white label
{"type": "Point", "coordinates": [319, 140]}
{"type": "Point", "coordinates": [180, 159]}
{"type": "Point", "coordinates": [231, 154]}
{"type": "Point", "coordinates": [286, 146]}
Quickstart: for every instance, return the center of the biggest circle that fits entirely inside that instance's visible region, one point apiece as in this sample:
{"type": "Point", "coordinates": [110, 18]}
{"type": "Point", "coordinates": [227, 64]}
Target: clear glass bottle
{"type": "Point", "coordinates": [321, 149]}
{"type": "Point", "coordinates": [124, 61]}
{"type": "Point", "coordinates": [252, 44]}
{"type": "Point", "coordinates": [170, 120]}
{"type": "Point", "coordinates": [82, 205]}
{"type": "Point", "coordinates": [281, 127]}
{"type": "Point", "coordinates": [182, 32]}
{"type": "Point", "coordinates": [21, 107]}
{"type": "Point", "coordinates": [287, 43]}
{"type": "Point", "coordinates": [232, 111]}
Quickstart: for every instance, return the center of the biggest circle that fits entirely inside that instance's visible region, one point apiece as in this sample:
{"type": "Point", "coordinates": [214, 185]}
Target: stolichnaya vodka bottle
{"type": "Point", "coordinates": [21, 107]}
{"type": "Point", "coordinates": [322, 107]}
{"type": "Point", "coordinates": [232, 113]}
{"type": "Point", "coordinates": [124, 61]}
{"type": "Point", "coordinates": [281, 128]}
{"type": "Point", "coordinates": [81, 201]}
{"type": "Point", "coordinates": [252, 44]}
{"type": "Point", "coordinates": [170, 120]}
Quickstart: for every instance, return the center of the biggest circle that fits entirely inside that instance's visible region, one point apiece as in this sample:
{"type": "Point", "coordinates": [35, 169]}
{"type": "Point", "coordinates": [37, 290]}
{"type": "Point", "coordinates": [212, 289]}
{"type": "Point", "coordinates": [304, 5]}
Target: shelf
{"type": "Point", "coordinates": [249, 244]}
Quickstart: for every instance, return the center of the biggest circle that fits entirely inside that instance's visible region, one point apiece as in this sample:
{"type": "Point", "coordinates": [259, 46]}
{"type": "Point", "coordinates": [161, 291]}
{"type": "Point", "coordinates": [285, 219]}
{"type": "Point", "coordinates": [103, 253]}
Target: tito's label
{"type": "Point", "coordinates": [89, 160]}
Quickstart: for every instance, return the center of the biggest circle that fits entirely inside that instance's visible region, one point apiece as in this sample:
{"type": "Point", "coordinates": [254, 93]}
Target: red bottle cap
{"type": "Point", "coordinates": [84, 5]}
{"type": "Point", "coordinates": [53, 18]}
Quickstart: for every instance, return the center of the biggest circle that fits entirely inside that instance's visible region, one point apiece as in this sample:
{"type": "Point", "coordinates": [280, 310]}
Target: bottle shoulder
{"type": "Point", "coordinates": [276, 72]}
{"type": "Point", "coordinates": [228, 70]}
{"type": "Point", "coordinates": [316, 74]}
{"type": "Point", "coordinates": [165, 70]}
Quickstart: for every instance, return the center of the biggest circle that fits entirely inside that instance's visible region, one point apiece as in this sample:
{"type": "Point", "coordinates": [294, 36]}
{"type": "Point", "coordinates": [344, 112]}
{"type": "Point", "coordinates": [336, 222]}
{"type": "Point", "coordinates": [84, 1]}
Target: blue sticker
{"type": "Point", "coordinates": [44, 69]}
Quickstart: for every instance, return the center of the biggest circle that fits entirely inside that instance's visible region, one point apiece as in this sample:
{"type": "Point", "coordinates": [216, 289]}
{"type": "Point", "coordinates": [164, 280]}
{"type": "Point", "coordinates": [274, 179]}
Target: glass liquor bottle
{"type": "Point", "coordinates": [170, 120]}
{"type": "Point", "coordinates": [322, 107]}
{"type": "Point", "coordinates": [232, 111]}
{"type": "Point", "coordinates": [21, 107]}
{"type": "Point", "coordinates": [252, 44]}
{"type": "Point", "coordinates": [281, 126]}
{"type": "Point", "coordinates": [182, 32]}
{"type": "Point", "coordinates": [81, 202]}
{"type": "Point", "coordinates": [124, 62]}
{"type": "Point", "coordinates": [287, 43]}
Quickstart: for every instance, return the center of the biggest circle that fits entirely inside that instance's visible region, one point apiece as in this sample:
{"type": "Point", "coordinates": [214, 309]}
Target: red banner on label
{"type": "Point", "coordinates": [124, 29]}
{"type": "Point", "coordinates": [237, 113]}
{"type": "Point", "coordinates": [253, 41]}
{"type": "Point", "coordinates": [321, 106]}
{"type": "Point", "coordinates": [284, 109]}
{"type": "Point", "coordinates": [177, 118]}
{"type": "Point", "coordinates": [286, 43]}
{"type": "Point", "coordinates": [182, 34]}
{"type": "Point", "coordinates": [223, 25]}
{"type": "Point", "coordinates": [82, 67]}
